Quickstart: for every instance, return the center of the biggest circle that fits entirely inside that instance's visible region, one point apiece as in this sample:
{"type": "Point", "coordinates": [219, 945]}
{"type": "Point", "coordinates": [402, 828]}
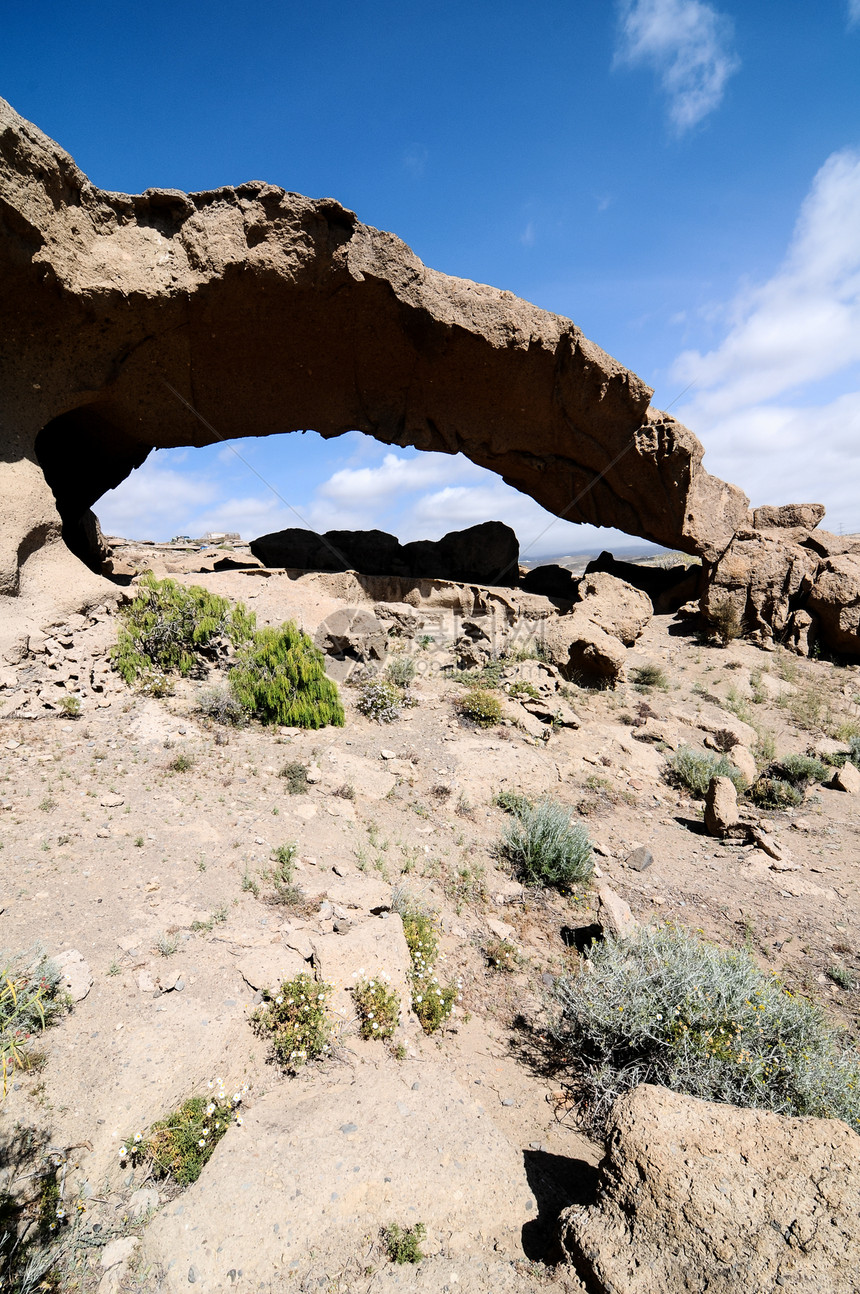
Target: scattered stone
{"type": "Point", "coordinates": [388, 754]}
{"type": "Point", "coordinates": [112, 801]}
{"type": "Point", "coordinates": [614, 914]}
{"type": "Point", "coordinates": [500, 929]}
{"type": "Point", "coordinates": [697, 1196]}
{"type": "Point", "coordinates": [744, 760]}
{"type": "Point", "coordinates": [118, 1251]}
{"type": "Point", "coordinates": [771, 846]}
{"type": "Point", "coordinates": [143, 1201]}
{"type": "Point", "coordinates": [721, 806]}
{"type": "Point", "coordinates": [76, 976]}
{"type": "Point", "coordinates": [145, 982]}
{"type": "Point", "coordinates": [269, 965]}
{"type": "Point", "coordinates": [846, 778]}
{"type": "Point", "coordinates": [639, 859]}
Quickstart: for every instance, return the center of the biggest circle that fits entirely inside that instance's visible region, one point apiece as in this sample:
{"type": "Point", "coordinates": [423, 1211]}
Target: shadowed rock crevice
{"type": "Point", "coordinates": [268, 313]}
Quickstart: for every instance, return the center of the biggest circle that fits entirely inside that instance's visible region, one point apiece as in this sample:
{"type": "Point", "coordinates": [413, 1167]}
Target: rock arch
{"type": "Point", "coordinates": [262, 311]}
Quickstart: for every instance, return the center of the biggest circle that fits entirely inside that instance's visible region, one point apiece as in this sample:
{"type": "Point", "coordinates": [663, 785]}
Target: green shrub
{"type": "Point", "coordinates": [725, 620]}
{"type": "Point", "coordinates": [182, 763]}
{"type": "Point", "coordinates": [502, 955]}
{"type": "Point", "coordinates": [285, 891]}
{"type": "Point", "coordinates": [295, 1021]}
{"type": "Point", "coordinates": [803, 769]}
{"type": "Point", "coordinates": [168, 627]}
{"type": "Point", "coordinates": [30, 1000]}
{"type": "Point", "coordinates": [377, 1006]}
{"type": "Point", "coordinates": [511, 802]}
{"type": "Point", "coordinates": [403, 1244]}
{"type": "Point", "coordinates": [296, 776]}
{"type": "Point", "coordinates": [666, 1007]}
{"type": "Point", "coordinates": [546, 848]}
{"type": "Point", "coordinates": [694, 770]}
{"type": "Point", "coordinates": [279, 676]}
{"type": "Point", "coordinates": [70, 706]}
{"type": "Point", "coordinates": [221, 706]}
{"type": "Point", "coordinates": [401, 670]}
{"type": "Point", "coordinates": [431, 1002]}
{"type": "Point", "coordinates": [381, 700]}
{"type": "Point", "coordinates": [180, 1146]}
{"type": "Point", "coordinates": [481, 708]}
{"type": "Point", "coordinates": [647, 677]}
{"type": "Point", "coordinates": [775, 793]}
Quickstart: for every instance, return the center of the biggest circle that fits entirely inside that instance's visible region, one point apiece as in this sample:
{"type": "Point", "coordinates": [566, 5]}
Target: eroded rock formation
{"type": "Point", "coordinates": [167, 319]}
{"type": "Point", "coordinates": [695, 1196]}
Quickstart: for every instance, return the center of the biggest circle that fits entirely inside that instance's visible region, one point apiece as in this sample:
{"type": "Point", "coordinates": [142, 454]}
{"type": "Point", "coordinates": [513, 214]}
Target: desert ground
{"type": "Point", "coordinates": [139, 835]}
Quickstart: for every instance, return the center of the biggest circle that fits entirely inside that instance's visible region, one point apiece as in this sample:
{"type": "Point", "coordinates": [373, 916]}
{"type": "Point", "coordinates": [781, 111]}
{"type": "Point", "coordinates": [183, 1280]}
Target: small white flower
{"type": "Point", "coordinates": [278, 1001]}
{"type": "Point", "coordinates": [210, 1108]}
{"type": "Point", "coordinates": [375, 1026]}
{"type": "Point", "coordinates": [138, 1136]}
{"type": "Point", "coordinates": [123, 1151]}
{"type": "Point", "coordinates": [201, 1142]}
{"type": "Point", "coordinates": [239, 1122]}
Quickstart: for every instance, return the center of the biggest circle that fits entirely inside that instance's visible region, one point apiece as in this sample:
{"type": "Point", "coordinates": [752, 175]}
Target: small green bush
{"type": "Point", "coordinates": [180, 1146]}
{"type": "Point", "coordinates": [431, 1002]}
{"type": "Point", "coordinates": [481, 707]}
{"type": "Point", "coordinates": [694, 770]}
{"type": "Point", "coordinates": [511, 802]}
{"type": "Point", "coordinates": [168, 627]}
{"type": "Point", "coordinates": [403, 1244]}
{"type": "Point", "coordinates": [295, 775]}
{"type": "Point", "coordinates": [285, 891]}
{"type": "Point", "coordinates": [725, 620]}
{"type": "Point", "coordinates": [279, 676]}
{"type": "Point", "coordinates": [221, 706]}
{"type": "Point", "coordinates": [502, 955]}
{"type": "Point", "coordinates": [775, 793]}
{"type": "Point", "coordinates": [647, 677]}
{"type": "Point", "coordinates": [664, 1006]}
{"type": "Point", "coordinates": [401, 670]}
{"type": "Point", "coordinates": [30, 1000]}
{"type": "Point", "coordinates": [70, 707]}
{"type": "Point", "coordinates": [546, 848]}
{"type": "Point", "coordinates": [803, 769]}
{"type": "Point", "coordinates": [295, 1021]}
{"type": "Point", "coordinates": [381, 700]}
{"type": "Point", "coordinates": [182, 763]}
{"type": "Point", "coordinates": [377, 1006]}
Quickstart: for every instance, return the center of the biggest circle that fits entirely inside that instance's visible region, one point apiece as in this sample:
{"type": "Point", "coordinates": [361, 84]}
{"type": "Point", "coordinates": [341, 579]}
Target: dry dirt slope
{"type": "Point", "coordinates": [148, 873]}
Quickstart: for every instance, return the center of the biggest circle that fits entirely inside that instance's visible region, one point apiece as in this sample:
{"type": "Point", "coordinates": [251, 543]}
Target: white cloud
{"type": "Point", "coordinates": [153, 500]}
{"type": "Point", "coordinates": [797, 335]}
{"type": "Point", "coordinates": [689, 44]}
{"type": "Point", "coordinates": [853, 12]}
{"type": "Point", "coordinates": [375, 485]}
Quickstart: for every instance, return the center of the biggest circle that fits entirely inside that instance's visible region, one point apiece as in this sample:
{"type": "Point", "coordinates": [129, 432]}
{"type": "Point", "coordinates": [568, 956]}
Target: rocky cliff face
{"type": "Point", "coordinates": [167, 319]}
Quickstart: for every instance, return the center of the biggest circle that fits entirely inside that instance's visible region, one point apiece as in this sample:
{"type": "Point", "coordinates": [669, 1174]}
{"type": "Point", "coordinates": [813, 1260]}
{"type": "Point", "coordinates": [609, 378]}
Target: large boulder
{"type": "Point", "coordinates": [190, 318]}
{"type": "Point", "coordinates": [485, 554]}
{"type": "Point", "coordinates": [697, 1197]}
{"type": "Point", "coordinates": [667, 586]}
{"type": "Point", "coordinates": [835, 600]}
{"type": "Point", "coordinates": [591, 639]}
{"type": "Point", "coordinates": [763, 574]}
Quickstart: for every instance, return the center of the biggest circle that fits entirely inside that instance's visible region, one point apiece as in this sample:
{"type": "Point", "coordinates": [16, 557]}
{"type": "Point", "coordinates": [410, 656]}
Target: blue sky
{"type": "Point", "coordinates": [680, 177]}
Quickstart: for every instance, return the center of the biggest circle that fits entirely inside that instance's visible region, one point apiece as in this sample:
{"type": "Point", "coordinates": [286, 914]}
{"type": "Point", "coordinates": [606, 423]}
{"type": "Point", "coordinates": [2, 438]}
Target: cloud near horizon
{"type": "Point", "coordinates": [776, 402]}
{"type": "Point", "coordinates": [688, 43]}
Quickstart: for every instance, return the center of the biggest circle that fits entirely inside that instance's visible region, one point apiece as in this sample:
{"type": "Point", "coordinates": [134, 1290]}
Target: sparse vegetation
{"type": "Point", "coordinates": [546, 847]}
{"type": "Point", "coordinates": [381, 700]}
{"type": "Point", "coordinates": [30, 1000]}
{"type": "Point", "coordinates": [70, 707]}
{"type": "Point", "coordinates": [775, 793]}
{"type": "Point", "coordinates": [511, 802]}
{"type": "Point", "coordinates": [694, 770]}
{"type": "Point", "coordinates": [725, 620]}
{"type": "Point", "coordinates": [183, 763]}
{"type": "Point", "coordinates": [842, 976]}
{"type": "Point", "coordinates": [502, 955]}
{"type": "Point", "coordinates": [648, 677]}
{"type": "Point", "coordinates": [222, 706]}
{"type": "Point", "coordinates": [401, 670]}
{"type": "Point", "coordinates": [279, 677]}
{"type": "Point", "coordinates": [403, 1244]}
{"type": "Point", "coordinates": [180, 1146]}
{"type": "Point", "coordinates": [295, 774]}
{"type": "Point", "coordinates": [431, 1002]}
{"type": "Point", "coordinates": [481, 707]}
{"type": "Point", "coordinates": [294, 1020]}
{"type": "Point", "coordinates": [377, 1006]}
{"type": "Point", "coordinates": [666, 1007]}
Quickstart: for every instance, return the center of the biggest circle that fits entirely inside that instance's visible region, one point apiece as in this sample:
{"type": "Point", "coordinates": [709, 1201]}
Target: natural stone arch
{"type": "Point", "coordinates": [262, 312]}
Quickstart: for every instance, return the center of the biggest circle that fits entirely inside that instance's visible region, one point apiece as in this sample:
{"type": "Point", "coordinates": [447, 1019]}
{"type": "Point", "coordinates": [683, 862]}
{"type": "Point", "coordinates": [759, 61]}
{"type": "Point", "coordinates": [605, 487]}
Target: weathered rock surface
{"type": "Point", "coordinates": [185, 319]}
{"type": "Point", "coordinates": [591, 639]}
{"type": "Point", "coordinates": [846, 778]}
{"type": "Point", "coordinates": [698, 1197]}
{"type": "Point", "coordinates": [316, 1168]}
{"type": "Point", "coordinates": [667, 587]}
{"type": "Point", "coordinates": [721, 806]}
